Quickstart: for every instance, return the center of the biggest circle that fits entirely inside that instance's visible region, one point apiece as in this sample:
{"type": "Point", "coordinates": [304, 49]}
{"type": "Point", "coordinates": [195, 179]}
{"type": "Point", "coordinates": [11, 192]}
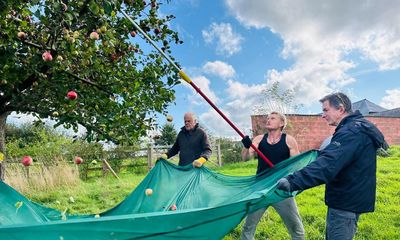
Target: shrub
{"type": "Point", "coordinates": [231, 150]}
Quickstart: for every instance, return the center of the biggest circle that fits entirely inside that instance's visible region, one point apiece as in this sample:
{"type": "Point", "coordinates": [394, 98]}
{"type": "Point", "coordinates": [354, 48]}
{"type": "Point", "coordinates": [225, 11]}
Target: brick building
{"type": "Point", "coordinates": [311, 130]}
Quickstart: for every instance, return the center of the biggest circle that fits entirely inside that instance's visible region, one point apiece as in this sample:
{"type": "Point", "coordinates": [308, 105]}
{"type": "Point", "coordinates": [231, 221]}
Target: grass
{"type": "Point", "coordinates": [98, 194]}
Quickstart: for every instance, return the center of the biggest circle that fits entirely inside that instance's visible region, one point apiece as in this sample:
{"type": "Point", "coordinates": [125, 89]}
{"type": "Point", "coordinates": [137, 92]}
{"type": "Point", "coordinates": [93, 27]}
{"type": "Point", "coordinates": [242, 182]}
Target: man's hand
{"type": "Point", "coordinates": [284, 185]}
{"type": "Point", "coordinates": [163, 156]}
{"type": "Point", "coordinates": [199, 162]}
{"type": "Point", "coordinates": [246, 142]}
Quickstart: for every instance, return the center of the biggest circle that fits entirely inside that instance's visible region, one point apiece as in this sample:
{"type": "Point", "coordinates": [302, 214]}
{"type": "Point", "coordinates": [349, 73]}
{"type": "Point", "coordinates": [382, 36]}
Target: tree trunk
{"type": "Point", "coordinates": [3, 118]}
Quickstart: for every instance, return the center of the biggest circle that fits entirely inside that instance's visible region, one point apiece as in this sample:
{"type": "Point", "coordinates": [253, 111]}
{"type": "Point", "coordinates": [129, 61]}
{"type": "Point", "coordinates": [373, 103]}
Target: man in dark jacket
{"type": "Point", "coordinates": [191, 143]}
{"type": "Point", "coordinates": [347, 166]}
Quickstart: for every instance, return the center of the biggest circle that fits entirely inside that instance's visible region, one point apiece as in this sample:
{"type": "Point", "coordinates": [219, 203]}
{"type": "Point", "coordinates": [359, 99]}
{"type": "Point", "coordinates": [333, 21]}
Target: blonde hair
{"type": "Point", "coordinates": [282, 117]}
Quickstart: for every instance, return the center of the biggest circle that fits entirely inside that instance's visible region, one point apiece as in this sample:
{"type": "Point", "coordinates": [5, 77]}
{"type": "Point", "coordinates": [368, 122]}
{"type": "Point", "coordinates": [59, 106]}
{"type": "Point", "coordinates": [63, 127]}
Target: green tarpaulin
{"type": "Point", "coordinates": [209, 205]}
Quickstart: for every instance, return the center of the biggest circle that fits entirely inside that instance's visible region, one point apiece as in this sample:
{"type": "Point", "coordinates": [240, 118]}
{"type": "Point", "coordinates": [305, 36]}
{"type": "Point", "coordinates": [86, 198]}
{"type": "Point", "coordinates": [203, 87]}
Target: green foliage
{"type": "Point", "coordinates": [231, 151]}
{"type": "Point", "coordinates": [274, 99]}
{"type": "Point", "coordinates": [42, 142]}
{"type": "Point", "coordinates": [168, 135]}
{"type": "Point", "coordinates": [119, 81]}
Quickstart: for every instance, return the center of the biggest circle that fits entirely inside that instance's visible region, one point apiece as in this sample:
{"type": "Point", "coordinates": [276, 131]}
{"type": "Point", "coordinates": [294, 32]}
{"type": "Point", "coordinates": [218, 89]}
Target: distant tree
{"type": "Point", "coordinates": [274, 99]}
{"type": "Point", "coordinates": [51, 47]}
{"type": "Point", "coordinates": [168, 135]}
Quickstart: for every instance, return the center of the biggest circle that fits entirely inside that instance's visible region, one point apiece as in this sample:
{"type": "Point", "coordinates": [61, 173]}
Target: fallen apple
{"type": "Point", "coordinates": [72, 95]}
{"type": "Point", "coordinates": [47, 56]}
{"type": "Point", "coordinates": [173, 207]}
{"type": "Point", "coordinates": [55, 114]}
{"type": "Point", "coordinates": [26, 161]}
{"type": "Point", "coordinates": [148, 192]}
{"type": "Point", "coordinates": [78, 160]}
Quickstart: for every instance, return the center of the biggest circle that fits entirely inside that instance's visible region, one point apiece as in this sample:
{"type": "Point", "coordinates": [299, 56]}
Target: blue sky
{"type": "Point", "coordinates": [233, 49]}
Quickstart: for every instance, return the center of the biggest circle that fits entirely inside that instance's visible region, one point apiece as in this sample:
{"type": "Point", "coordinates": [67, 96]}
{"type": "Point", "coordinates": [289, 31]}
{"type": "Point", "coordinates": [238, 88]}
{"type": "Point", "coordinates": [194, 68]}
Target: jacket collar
{"type": "Point", "coordinates": [191, 130]}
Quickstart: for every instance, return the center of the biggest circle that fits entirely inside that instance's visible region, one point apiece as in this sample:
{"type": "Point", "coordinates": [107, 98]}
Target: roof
{"type": "Point", "coordinates": [366, 107]}
{"type": "Point", "coordinates": [389, 113]}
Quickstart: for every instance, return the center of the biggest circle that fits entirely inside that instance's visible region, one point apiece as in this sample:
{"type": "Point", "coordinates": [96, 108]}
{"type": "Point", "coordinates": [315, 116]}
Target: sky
{"type": "Point", "coordinates": [235, 49]}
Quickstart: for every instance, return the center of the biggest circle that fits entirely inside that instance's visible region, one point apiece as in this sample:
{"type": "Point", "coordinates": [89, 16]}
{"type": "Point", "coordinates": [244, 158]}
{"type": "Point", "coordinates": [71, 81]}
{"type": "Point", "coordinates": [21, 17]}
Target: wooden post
{"type": "Point", "coordinates": [219, 153]}
{"type": "Point", "coordinates": [149, 155]}
{"type": "Point", "coordinates": [104, 168]}
{"type": "Point", "coordinates": [105, 163]}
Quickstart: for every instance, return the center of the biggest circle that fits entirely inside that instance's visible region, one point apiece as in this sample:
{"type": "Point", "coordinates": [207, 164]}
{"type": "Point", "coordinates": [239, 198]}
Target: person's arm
{"type": "Point", "coordinates": [248, 153]}
{"type": "Point", "coordinates": [174, 149]}
{"type": "Point", "coordinates": [206, 153]}
{"type": "Point", "coordinates": [292, 144]}
{"type": "Point", "coordinates": [337, 155]}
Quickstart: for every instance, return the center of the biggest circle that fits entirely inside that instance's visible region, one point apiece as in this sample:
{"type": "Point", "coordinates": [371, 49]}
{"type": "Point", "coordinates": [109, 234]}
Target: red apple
{"type": "Point", "coordinates": [78, 160]}
{"type": "Point", "coordinates": [26, 161]}
{"type": "Point", "coordinates": [173, 207]}
{"type": "Point", "coordinates": [153, 4]}
{"type": "Point", "coordinates": [133, 34]}
{"type": "Point", "coordinates": [94, 36]}
{"type": "Point", "coordinates": [47, 56]}
{"type": "Point", "coordinates": [157, 31]}
{"type": "Point", "coordinates": [21, 35]}
{"type": "Point", "coordinates": [72, 95]}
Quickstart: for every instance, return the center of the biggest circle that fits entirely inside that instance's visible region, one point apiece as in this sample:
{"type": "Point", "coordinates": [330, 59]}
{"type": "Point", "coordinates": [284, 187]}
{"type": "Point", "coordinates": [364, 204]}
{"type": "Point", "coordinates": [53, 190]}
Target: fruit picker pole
{"type": "Point", "coordinates": [188, 80]}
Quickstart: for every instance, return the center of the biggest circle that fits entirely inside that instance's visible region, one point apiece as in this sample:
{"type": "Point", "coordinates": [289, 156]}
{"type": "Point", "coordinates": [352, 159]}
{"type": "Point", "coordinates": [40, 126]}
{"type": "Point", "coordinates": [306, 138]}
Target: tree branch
{"type": "Point", "coordinates": [89, 82]}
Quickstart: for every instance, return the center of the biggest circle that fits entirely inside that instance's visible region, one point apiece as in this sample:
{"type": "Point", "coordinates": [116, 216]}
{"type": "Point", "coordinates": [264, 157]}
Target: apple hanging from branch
{"type": "Point", "coordinates": [78, 160]}
{"type": "Point", "coordinates": [72, 95]}
{"type": "Point", "coordinates": [47, 57]}
{"type": "Point", "coordinates": [26, 161]}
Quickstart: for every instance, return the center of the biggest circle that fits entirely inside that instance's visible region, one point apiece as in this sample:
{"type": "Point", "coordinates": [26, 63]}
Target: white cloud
{"type": "Point", "coordinates": [220, 69]}
{"type": "Point", "coordinates": [320, 35]}
{"type": "Point", "coordinates": [392, 99]}
{"type": "Point", "coordinates": [204, 84]}
{"type": "Point", "coordinates": [228, 42]}
{"type": "Point", "coordinates": [239, 105]}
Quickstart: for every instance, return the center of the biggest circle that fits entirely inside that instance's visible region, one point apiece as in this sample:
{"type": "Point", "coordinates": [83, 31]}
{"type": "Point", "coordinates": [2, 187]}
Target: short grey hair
{"type": "Point", "coordinates": [337, 99]}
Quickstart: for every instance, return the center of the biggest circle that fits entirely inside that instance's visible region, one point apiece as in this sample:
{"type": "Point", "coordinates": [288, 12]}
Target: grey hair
{"type": "Point", "coordinates": [337, 99]}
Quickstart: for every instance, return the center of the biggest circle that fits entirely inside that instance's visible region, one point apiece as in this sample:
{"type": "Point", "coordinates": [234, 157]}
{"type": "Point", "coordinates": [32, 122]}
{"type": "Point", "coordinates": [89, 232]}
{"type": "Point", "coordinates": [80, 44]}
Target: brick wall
{"type": "Point", "coordinates": [311, 130]}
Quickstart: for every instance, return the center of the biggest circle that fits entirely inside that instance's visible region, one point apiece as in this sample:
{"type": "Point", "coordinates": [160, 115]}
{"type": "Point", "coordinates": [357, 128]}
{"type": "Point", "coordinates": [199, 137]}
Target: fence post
{"type": "Point", "coordinates": [219, 153]}
{"type": "Point", "coordinates": [149, 155]}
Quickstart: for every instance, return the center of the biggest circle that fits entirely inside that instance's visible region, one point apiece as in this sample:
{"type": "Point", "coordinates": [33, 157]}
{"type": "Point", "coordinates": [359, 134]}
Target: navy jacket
{"type": "Point", "coordinates": [347, 166]}
{"type": "Point", "coordinates": [191, 145]}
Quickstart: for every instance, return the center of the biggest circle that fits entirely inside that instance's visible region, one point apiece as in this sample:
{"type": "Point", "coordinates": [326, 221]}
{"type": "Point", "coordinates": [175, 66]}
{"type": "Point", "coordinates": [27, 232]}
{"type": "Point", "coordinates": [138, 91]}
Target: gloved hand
{"type": "Point", "coordinates": [163, 156]}
{"type": "Point", "coordinates": [246, 142]}
{"type": "Point", "coordinates": [284, 185]}
{"type": "Point", "coordinates": [199, 162]}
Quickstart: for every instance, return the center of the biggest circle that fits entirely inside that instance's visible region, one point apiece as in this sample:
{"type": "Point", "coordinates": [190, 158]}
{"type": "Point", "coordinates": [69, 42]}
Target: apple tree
{"type": "Point", "coordinates": [79, 62]}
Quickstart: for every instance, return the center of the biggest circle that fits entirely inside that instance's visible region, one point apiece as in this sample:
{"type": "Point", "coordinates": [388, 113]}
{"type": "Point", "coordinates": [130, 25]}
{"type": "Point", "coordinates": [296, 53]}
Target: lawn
{"type": "Point", "coordinates": [98, 194]}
